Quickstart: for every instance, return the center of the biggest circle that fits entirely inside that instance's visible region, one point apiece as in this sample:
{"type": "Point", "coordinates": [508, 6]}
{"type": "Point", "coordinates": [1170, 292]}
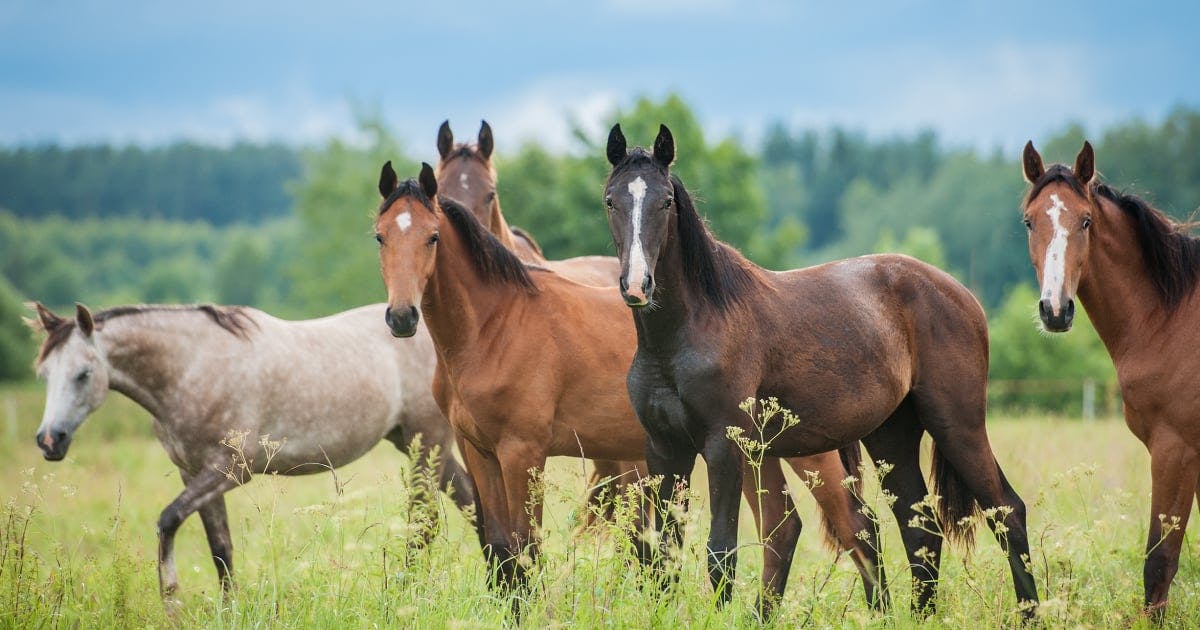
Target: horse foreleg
{"type": "Point", "coordinates": [1174, 467]}
{"type": "Point", "coordinates": [199, 489]}
{"type": "Point", "coordinates": [848, 522]}
{"type": "Point", "coordinates": [216, 529]}
{"type": "Point", "coordinates": [519, 459]}
{"type": "Point", "coordinates": [778, 528]}
{"type": "Point", "coordinates": [491, 510]}
{"type": "Point", "coordinates": [724, 462]}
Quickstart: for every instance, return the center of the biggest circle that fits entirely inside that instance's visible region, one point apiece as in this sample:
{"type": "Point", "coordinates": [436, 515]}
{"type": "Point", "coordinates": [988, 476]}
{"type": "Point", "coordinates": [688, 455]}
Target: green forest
{"type": "Point", "coordinates": [287, 229]}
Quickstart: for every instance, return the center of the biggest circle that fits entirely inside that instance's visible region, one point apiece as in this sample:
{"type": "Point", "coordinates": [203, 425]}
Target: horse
{"type": "Point", "coordinates": [1134, 271]}
{"type": "Point", "coordinates": [537, 360]}
{"type": "Point", "coordinates": [465, 173]}
{"type": "Point", "coordinates": [877, 348]}
{"type": "Point", "coordinates": [236, 392]}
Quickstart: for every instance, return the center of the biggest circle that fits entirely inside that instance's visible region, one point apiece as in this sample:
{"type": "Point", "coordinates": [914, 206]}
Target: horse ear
{"type": "Point", "coordinates": [428, 181]}
{"type": "Point", "coordinates": [83, 318]}
{"type": "Point", "coordinates": [1031, 163]}
{"type": "Point", "coordinates": [445, 139]}
{"type": "Point", "coordinates": [387, 180]}
{"type": "Point", "coordinates": [485, 140]}
{"type": "Point", "coordinates": [616, 145]}
{"type": "Point", "coordinates": [1085, 164]}
{"type": "Point", "coordinates": [664, 146]}
{"type": "Point", "coordinates": [48, 320]}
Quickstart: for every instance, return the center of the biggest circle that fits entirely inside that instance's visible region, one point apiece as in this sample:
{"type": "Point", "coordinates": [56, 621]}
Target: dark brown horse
{"type": "Point", "coordinates": [877, 348]}
{"type": "Point", "coordinates": [1134, 271]}
{"type": "Point", "coordinates": [466, 174]}
{"type": "Point", "coordinates": [539, 361]}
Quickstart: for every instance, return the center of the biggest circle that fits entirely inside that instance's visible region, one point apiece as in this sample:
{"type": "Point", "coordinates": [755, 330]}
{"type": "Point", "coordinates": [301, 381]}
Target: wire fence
{"type": "Point", "coordinates": [1088, 399]}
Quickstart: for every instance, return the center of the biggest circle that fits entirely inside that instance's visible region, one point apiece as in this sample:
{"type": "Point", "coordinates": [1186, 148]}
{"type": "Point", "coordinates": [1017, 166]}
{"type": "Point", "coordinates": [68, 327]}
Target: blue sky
{"type": "Point", "coordinates": [982, 74]}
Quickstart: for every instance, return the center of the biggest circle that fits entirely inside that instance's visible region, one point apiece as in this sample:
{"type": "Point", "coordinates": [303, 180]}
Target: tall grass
{"type": "Point", "coordinates": [77, 545]}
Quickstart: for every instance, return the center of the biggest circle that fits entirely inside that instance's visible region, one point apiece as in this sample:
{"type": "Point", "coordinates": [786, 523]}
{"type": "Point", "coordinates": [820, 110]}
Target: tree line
{"type": "Point", "coordinates": [288, 229]}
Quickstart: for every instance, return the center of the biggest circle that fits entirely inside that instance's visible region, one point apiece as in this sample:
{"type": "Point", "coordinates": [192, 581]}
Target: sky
{"type": "Point", "coordinates": [982, 74]}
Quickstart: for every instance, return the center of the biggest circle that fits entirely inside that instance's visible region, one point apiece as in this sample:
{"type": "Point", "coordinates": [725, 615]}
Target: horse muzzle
{"type": "Point", "coordinates": [402, 321]}
{"type": "Point", "coordinates": [1056, 322]}
{"type": "Point", "coordinates": [639, 297]}
{"type": "Point", "coordinates": [54, 444]}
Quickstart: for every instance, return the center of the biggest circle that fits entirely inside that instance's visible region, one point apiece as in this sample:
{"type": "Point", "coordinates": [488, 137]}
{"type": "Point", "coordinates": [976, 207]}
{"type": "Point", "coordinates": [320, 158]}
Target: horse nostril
{"type": "Point", "coordinates": [1044, 308]}
{"type": "Point", "coordinates": [60, 437]}
{"type": "Point", "coordinates": [624, 283]}
{"type": "Point", "coordinates": [1069, 313]}
{"type": "Point", "coordinates": [387, 317]}
{"type": "Point", "coordinates": [413, 314]}
{"type": "Point", "coordinates": [647, 285]}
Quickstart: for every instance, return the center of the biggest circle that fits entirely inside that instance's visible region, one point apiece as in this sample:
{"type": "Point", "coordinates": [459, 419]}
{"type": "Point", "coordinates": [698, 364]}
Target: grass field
{"type": "Point", "coordinates": [79, 543]}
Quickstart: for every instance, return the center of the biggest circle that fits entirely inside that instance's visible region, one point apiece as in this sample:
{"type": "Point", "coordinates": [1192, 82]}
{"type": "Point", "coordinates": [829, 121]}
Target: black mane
{"type": "Point", "coordinates": [1171, 254]}
{"type": "Point", "coordinates": [407, 188]}
{"type": "Point", "coordinates": [714, 270]}
{"type": "Point", "coordinates": [232, 319]}
{"type": "Point", "coordinates": [490, 257]}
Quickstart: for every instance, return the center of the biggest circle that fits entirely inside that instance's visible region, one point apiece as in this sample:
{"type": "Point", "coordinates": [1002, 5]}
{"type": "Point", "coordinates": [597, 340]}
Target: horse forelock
{"type": "Point", "coordinates": [407, 188]}
{"type": "Point", "coordinates": [232, 319]}
{"type": "Point", "coordinates": [1056, 174]}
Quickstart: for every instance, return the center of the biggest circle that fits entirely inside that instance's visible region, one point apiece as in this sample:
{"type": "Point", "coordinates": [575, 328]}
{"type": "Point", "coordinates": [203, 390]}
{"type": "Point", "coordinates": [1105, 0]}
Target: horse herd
{"type": "Point", "coordinates": [644, 361]}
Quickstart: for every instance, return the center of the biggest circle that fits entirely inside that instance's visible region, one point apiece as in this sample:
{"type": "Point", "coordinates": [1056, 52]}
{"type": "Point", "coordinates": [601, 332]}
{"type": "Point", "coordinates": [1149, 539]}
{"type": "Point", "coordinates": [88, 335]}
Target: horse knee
{"type": "Point", "coordinates": [169, 522]}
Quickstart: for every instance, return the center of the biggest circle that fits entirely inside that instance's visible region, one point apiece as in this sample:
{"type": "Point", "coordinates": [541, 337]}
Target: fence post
{"type": "Point", "coordinates": [1089, 399]}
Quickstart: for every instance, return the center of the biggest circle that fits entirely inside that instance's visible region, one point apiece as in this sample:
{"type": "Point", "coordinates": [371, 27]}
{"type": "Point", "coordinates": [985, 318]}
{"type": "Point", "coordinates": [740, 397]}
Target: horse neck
{"type": "Point", "coordinates": [1116, 289]}
{"type": "Point", "coordinates": [498, 226]}
{"type": "Point", "coordinates": [457, 298]}
{"type": "Point", "coordinates": [661, 325]}
{"type": "Point", "coordinates": [145, 362]}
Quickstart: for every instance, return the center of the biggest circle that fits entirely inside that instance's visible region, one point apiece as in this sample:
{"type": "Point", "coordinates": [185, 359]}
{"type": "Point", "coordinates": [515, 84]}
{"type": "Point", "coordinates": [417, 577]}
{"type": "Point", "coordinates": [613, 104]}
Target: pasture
{"type": "Point", "coordinates": [77, 544]}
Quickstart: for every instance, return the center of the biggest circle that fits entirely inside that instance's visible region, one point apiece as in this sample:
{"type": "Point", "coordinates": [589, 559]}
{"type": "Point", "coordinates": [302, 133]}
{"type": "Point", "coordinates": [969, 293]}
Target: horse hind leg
{"type": "Point", "coordinates": [849, 525]}
{"type": "Point", "coordinates": [897, 443]}
{"type": "Point", "coordinates": [966, 471]}
{"type": "Point", "coordinates": [1174, 467]}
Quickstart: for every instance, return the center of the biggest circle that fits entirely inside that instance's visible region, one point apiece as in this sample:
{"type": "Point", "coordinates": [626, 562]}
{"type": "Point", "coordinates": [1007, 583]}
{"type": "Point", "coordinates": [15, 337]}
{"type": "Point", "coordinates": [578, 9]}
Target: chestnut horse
{"type": "Point", "coordinates": [466, 174]}
{"type": "Point", "coordinates": [540, 361]}
{"type": "Point", "coordinates": [877, 348]}
{"type": "Point", "coordinates": [1134, 271]}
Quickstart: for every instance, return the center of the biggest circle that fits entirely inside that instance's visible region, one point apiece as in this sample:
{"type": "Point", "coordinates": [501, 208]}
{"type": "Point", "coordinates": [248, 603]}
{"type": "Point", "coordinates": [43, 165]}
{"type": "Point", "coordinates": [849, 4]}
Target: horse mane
{"type": "Point", "coordinates": [488, 255]}
{"type": "Point", "coordinates": [714, 269]}
{"type": "Point", "coordinates": [232, 319]}
{"type": "Point", "coordinates": [528, 238]}
{"type": "Point", "coordinates": [1171, 254]}
{"type": "Point", "coordinates": [406, 188]}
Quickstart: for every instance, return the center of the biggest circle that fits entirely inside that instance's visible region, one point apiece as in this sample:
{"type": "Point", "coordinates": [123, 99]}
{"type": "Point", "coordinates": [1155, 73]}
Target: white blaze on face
{"type": "Point", "coordinates": [637, 258]}
{"type": "Point", "coordinates": [1055, 262]}
{"type": "Point", "coordinates": [462, 180]}
{"type": "Point", "coordinates": [404, 220]}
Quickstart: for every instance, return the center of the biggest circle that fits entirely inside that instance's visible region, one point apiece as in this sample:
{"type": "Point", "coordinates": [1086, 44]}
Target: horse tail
{"type": "Point", "coordinates": [851, 456]}
{"type": "Point", "coordinates": [957, 505]}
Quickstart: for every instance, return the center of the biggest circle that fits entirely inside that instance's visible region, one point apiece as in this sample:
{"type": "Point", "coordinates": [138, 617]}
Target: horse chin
{"type": "Point", "coordinates": [404, 334]}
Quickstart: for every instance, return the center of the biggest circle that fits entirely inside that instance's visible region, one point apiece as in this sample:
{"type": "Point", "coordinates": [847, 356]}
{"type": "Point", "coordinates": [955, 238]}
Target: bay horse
{"type": "Point", "coordinates": [465, 173]}
{"type": "Point", "coordinates": [1134, 270]}
{"type": "Point", "coordinates": [540, 361]}
{"type": "Point", "coordinates": [878, 348]}
{"type": "Point", "coordinates": [323, 391]}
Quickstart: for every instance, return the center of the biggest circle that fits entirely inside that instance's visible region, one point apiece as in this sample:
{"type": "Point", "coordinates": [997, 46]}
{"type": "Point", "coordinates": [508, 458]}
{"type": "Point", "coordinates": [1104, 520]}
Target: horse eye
{"type": "Point", "coordinates": [667, 203]}
{"type": "Point", "coordinates": [1087, 222]}
{"type": "Point", "coordinates": [433, 239]}
{"type": "Point", "coordinates": [1028, 223]}
{"type": "Point", "coordinates": [379, 238]}
{"type": "Point", "coordinates": [83, 376]}
{"type": "Point", "coordinates": [608, 202]}
{"type": "Point", "coordinates": [491, 196]}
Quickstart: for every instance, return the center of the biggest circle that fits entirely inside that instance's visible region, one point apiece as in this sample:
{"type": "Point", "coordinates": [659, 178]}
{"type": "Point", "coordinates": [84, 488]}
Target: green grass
{"type": "Point", "coordinates": [77, 545]}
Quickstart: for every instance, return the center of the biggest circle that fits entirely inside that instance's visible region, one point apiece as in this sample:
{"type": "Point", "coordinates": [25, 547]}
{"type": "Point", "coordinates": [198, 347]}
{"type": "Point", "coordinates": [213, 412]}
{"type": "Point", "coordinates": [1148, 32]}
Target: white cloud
{"type": "Point", "coordinates": [998, 97]}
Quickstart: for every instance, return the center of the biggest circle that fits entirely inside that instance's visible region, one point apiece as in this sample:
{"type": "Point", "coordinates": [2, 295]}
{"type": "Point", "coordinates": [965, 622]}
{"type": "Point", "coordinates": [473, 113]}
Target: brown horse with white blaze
{"type": "Point", "coordinates": [1135, 272]}
{"type": "Point", "coordinates": [540, 362]}
{"type": "Point", "coordinates": [878, 348]}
